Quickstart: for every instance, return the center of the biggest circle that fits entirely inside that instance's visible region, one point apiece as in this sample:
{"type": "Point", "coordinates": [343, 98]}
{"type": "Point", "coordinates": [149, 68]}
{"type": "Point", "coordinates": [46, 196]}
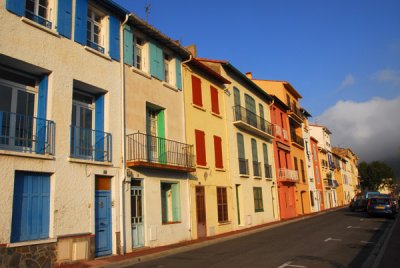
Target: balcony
{"type": "Point", "coordinates": [89, 144]}
{"type": "Point", "coordinates": [297, 140]}
{"type": "Point", "coordinates": [243, 166]}
{"type": "Point", "coordinates": [26, 134]}
{"type": "Point", "coordinates": [295, 113]}
{"type": "Point", "coordinates": [257, 169]}
{"type": "Point", "coordinates": [251, 122]}
{"type": "Point", "coordinates": [268, 171]}
{"type": "Point", "coordinates": [288, 175]}
{"type": "Point", "coordinates": [144, 150]}
{"type": "Point", "coordinates": [331, 183]}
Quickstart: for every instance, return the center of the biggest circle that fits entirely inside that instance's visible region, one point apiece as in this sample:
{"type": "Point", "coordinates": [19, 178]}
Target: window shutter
{"type": "Point", "coordinates": [114, 38]}
{"type": "Point", "coordinates": [99, 127]}
{"type": "Point", "coordinates": [128, 45]}
{"type": "Point", "coordinates": [196, 91]}
{"type": "Point", "coordinates": [250, 104]}
{"type": "Point", "coordinates": [214, 100]}
{"type": "Point", "coordinates": [218, 152]}
{"type": "Point", "coordinates": [236, 96]}
{"type": "Point", "coordinates": [200, 148]}
{"type": "Point", "coordinates": [41, 115]}
{"type": "Point", "coordinates": [64, 18]}
{"type": "Point", "coordinates": [161, 134]}
{"type": "Point", "coordinates": [81, 10]}
{"type": "Point", "coordinates": [254, 150]}
{"type": "Point", "coordinates": [240, 143]}
{"type": "Point", "coordinates": [156, 61]}
{"type": "Point", "coordinates": [176, 208]}
{"type": "Point", "coordinates": [178, 72]}
{"type": "Point", "coordinates": [16, 6]}
{"type": "Point", "coordinates": [265, 152]}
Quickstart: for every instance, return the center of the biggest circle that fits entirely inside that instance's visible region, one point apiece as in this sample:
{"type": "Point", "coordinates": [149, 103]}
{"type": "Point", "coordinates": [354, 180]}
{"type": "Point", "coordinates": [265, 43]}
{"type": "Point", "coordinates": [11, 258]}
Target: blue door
{"type": "Point", "coordinates": [103, 223]}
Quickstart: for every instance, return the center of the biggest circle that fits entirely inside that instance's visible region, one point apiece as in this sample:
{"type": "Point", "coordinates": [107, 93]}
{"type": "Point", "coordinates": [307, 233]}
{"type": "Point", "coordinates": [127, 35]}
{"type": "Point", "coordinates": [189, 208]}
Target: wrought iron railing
{"type": "Point", "coordinates": [294, 109]}
{"type": "Point", "coordinates": [243, 166]}
{"type": "Point", "coordinates": [331, 183]}
{"type": "Point", "coordinates": [38, 19]}
{"type": "Point", "coordinates": [297, 139]}
{"type": "Point", "coordinates": [257, 168]}
{"type": "Point", "coordinates": [288, 174]}
{"type": "Point", "coordinates": [95, 46]}
{"type": "Point", "coordinates": [26, 133]}
{"type": "Point", "coordinates": [153, 149]}
{"type": "Point", "coordinates": [268, 171]}
{"type": "Point", "coordinates": [90, 144]}
{"type": "Point", "coordinates": [242, 114]}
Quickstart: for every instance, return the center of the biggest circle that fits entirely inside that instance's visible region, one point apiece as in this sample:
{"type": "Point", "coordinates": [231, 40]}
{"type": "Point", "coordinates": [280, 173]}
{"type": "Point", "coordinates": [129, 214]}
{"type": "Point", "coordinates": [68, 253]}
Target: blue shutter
{"type": "Point", "coordinates": [16, 6]}
{"type": "Point", "coordinates": [31, 207]}
{"type": "Point", "coordinates": [64, 18]}
{"type": "Point", "coordinates": [178, 73]}
{"type": "Point", "coordinates": [114, 38]}
{"type": "Point", "coordinates": [81, 10]}
{"type": "Point", "coordinates": [99, 128]}
{"type": "Point", "coordinates": [128, 45]}
{"type": "Point", "coordinates": [41, 116]}
{"type": "Point", "coordinates": [156, 62]}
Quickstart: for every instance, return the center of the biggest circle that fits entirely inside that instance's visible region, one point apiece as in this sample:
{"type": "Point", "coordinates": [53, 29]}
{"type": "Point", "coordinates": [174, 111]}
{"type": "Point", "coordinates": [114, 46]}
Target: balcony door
{"type": "Point", "coordinates": [155, 129]}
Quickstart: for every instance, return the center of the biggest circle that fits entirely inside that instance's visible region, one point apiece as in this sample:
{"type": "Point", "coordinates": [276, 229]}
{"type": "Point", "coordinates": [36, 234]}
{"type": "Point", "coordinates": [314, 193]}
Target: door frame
{"type": "Point", "coordinates": [142, 203]}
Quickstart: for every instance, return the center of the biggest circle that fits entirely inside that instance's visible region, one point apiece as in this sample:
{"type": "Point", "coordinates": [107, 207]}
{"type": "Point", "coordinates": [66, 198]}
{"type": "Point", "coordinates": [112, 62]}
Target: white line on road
{"type": "Point", "coordinates": [332, 239]}
{"type": "Point", "coordinates": [288, 264]}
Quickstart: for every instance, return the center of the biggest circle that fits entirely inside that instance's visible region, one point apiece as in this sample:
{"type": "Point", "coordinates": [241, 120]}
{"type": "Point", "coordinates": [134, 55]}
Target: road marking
{"type": "Point", "coordinates": [354, 227]}
{"type": "Point", "coordinates": [288, 264]}
{"type": "Point", "coordinates": [332, 239]}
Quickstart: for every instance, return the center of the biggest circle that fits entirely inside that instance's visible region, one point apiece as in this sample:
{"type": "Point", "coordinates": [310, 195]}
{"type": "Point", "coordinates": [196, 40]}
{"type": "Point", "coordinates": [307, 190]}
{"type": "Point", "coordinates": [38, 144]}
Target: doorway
{"type": "Point", "coordinates": [201, 212]}
{"type": "Point", "coordinates": [137, 213]}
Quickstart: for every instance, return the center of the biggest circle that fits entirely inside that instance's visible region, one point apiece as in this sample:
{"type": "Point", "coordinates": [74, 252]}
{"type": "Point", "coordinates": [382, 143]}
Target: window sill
{"type": "Point", "coordinates": [257, 177]}
{"type": "Point", "coordinates": [199, 107]}
{"type": "Point", "coordinates": [261, 210]}
{"type": "Point", "coordinates": [244, 176]}
{"type": "Point", "coordinates": [220, 169]}
{"type": "Point", "coordinates": [40, 27]}
{"type": "Point", "coordinates": [92, 162]}
{"type": "Point", "coordinates": [216, 115]}
{"type": "Point", "coordinates": [165, 84]}
{"type": "Point", "coordinates": [171, 222]}
{"type": "Point", "coordinates": [224, 223]}
{"type": "Point", "coordinates": [28, 155]}
{"type": "Point", "coordinates": [32, 242]}
{"type": "Point", "coordinates": [202, 167]}
{"type": "Point", "coordinates": [97, 53]}
{"type": "Point", "coordinates": [269, 179]}
{"type": "Point", "coordinates": [141, 72]}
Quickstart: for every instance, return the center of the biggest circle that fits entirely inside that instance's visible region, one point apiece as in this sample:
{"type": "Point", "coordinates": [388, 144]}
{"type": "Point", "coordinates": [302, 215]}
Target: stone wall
{"type": "Point", "coordinates": [33, 256]}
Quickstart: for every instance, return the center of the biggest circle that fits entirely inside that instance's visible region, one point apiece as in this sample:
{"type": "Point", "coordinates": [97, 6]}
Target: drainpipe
{"type": "Point", "coordinates": [123, 134]}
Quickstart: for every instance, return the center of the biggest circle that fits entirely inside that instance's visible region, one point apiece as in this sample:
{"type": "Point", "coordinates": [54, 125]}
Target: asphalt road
{"type": "Point", "coordinates": [336, 239]}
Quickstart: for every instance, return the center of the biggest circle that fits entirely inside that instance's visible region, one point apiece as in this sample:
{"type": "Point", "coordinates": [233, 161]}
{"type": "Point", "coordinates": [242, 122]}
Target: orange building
{"type": "Point", "coordinates": [317, 173]}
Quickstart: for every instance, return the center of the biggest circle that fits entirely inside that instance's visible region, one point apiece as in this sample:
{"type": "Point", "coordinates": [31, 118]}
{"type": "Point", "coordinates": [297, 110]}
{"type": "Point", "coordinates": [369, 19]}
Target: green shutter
{"type": "Point", "coordinates": [161, 137]}
{"type": "Point", "coordinates": [156, 61]}
{"type": "Point", "coordinates": [236, 96]}
{"type": "Point", "coordinates": [240, 144]}
{"type": "Point", "coordinates": [250, 104]}
{"type": "Point", "coordinates": [128, 45]}
{"type": "Point", "coordinates": [254, 150]}
{"type": "Point", "coordinates": [178, 73]}
{"type": "Point", "coordinates": [265, 152]}
{"type": "Point", "coordinates": [176, 206]}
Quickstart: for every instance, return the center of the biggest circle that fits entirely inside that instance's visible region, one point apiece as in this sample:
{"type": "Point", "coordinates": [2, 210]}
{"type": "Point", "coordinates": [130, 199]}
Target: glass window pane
{"type": "Point", "coordinates": [5, 100]}
{"type": "Point", "coordinates": [25, 103]}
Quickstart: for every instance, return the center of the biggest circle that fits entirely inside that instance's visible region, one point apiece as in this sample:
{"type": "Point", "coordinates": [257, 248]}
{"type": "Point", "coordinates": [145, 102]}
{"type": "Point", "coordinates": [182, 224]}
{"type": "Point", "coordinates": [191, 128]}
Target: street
{"type": "Point", "coordinates": [335, 239]}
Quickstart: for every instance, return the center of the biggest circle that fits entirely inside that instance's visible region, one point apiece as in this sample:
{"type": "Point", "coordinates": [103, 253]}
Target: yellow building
{"type": "Point", "coordinates": [210, 187]}
{"type": "Point", "coordinates": [339, 170]}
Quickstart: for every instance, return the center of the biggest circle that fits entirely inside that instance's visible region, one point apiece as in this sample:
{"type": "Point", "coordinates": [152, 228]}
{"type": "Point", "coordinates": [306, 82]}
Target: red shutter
{"type": "Point", "coordinates": [218, 152]}
{"type": "Point", "coordinates": [196, 91]}
{"type": "Point", "coordinates": [200, 148]}
{"type": "Point", "coordinates": [214, 100]}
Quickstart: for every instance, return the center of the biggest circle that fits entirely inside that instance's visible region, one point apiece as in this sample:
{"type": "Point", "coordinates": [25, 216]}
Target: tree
{"type": "Point", "coordinates": [375, 175]}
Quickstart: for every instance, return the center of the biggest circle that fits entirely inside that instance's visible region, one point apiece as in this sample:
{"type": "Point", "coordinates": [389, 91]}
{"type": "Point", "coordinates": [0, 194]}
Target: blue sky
{"type": "Point", "coordinates": [343, 56]}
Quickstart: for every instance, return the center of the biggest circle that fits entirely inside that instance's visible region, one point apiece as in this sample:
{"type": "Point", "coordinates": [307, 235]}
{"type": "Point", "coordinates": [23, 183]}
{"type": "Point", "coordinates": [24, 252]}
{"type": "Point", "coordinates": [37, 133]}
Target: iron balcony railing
{"type": "Point", "coordinates": [242, 114]}
{"type": "Point", "coordinates": [257, 168]}
{"type": "Point", "coordinates": [297, 139]}
{"type": "Point", "coordinates": [90, 144]}
{"type": "Point", "coordinates": [331, 183]}
{"type": "Point", "coordinates": [152, 149]}
{"type": "Point", "coordinates": [294, 109]}
{"type": "Point", "coordinates": [95, 46]}
{"type": "Point", "coordinates": [38, 19]}
{"type": "Point", "coordinates": [268, 171]}
{"type": "Point", "coordinates": [26, 133]}
{"type": "Point", "coordinates": [288, 174]}
{"type": "Point", "coordinates": [243, 166]}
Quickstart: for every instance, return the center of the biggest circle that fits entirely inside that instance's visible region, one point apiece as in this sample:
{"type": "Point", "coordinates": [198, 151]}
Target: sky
{"type": "Point", "coordinates": [342, 56]}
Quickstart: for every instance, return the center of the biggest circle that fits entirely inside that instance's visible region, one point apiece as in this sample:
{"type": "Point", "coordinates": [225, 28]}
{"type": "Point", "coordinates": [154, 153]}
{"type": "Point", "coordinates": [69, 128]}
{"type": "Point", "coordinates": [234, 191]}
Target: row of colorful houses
{"type": "Point", "coordinates": [115, 137]}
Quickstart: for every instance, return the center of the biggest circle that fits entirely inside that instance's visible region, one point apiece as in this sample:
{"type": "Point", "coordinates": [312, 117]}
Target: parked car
{"type": "Point", "coordinates": [381, 206]}
{"type": "Point", "coordinates": [360, 201]}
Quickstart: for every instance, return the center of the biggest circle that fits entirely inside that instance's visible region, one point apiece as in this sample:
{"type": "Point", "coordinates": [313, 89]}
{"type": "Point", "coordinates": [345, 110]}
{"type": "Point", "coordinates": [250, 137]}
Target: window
{"type": "Point", "coordinates": [267, 167]}
{"type": "Point", "coordinates": [251, 117]}
{"type": "Point", "coordinates": [167, 60]}
{"type": "Point", "coordinates": [296, 166]}
{"type": "Point", "coordinates": [139, 53]}
{"type": "Point", "coordinates": [303, 176]}
{"type": "Point", "coordinates": [312, 198]}
{"type": "Point", "coordinates": [222, 201]}
{"type": "Point", "coordinates": [155, 128]}
{"type": "Point", "coordinates": [170, 202]}
{"type": "Point", "coordinates": [218, 152]}
{"type": "Point", "coordinates": [200, 148]}
{"type": "Point", "coordinates": [256, 164]}
{"type": "Point", "coordinates": [196, 91]}
{"type": "Point", "coordinates": [95, 36]}
{"type": "Point", "coordinates": [31, 207]}
{"type": "Point", "coordinates": [258, 200]}
{"type": "Point", "coordinates": [262, 121]}
{"type": "Point", "coordinates": [243, 163]}
{"type": "Point", "coordinates": [38, 11]}
{"type": "Point", "coordinates": [288, 100]}
{"type": "Point", "coordinates": [214, 100]}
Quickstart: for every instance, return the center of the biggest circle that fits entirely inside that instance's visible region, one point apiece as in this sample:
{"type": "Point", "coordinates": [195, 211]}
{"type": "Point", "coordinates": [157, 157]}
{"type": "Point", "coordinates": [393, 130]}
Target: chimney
{"type": "Point", "coordinates": [249, 75]}
{"type": "Point", "coordinates": [192, 49]}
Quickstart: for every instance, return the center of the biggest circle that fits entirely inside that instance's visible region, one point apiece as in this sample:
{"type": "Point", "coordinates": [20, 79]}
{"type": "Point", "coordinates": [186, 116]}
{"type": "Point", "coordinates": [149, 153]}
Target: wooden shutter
{"type": "Point", "coordinates": [296, 167]}
{"type": "Point", "coordinates": [99, 127]}
{"type": "Point", "coordinates": [156, 61]}
{"type": "Point", "coordinates": [178, 73]}
{"type": "Point", "coordinates": [218, 152]}
{"type": "Point", "coordinates": [254, 150]}
{"type": "Point", "coordinates": [200, 148]}
{"type": "Point", "coordinates": [236, 96]}
{"type": "Point", "coordinates": [16, 6]}
{"type": "Point", "coordinates": [214, 100]}
{"type": "Point", "coordinates": [64, 18]}
{"type": "Point", "coordinates": [176, 207]}
{"type": "Point", "coordinates": [81, 10]}
{"type": "Point", "coordinates": [114, 38]}
{"type": "Point", "coordinates": [250, 103]}
{"type": "Point", "coordinates": [196, 91]}
{"type": "Point", "coordinates": [161, 135]}
{"type": "Point", "coordinates": [240, 144]}
{"type": "Point", "coordinates": [128, 45]}
{"type": "Point", "coordinates": [41, 115]}
{"type": "Point", "coordinates": [265, 152]}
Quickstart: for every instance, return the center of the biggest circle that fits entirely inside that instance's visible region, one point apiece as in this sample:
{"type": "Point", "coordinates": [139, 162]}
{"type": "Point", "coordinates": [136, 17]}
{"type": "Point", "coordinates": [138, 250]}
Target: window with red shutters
{"type": "Point", "coordinates": [218, 152]}
{"type": "Point", "coordinates": [196, 91]}
{"type": "Point", "coordinates": [222, 201]}
{"type": "Point", "coordinates": [214, 100]}
{"type": "Point", "coordinates": [200, 148]}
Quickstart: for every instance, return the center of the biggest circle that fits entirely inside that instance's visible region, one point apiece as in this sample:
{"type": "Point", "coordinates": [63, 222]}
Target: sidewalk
{"type": "Point", "coordinates": [389, 255]}
{"type": "Point", "coordinates": [145, 254]}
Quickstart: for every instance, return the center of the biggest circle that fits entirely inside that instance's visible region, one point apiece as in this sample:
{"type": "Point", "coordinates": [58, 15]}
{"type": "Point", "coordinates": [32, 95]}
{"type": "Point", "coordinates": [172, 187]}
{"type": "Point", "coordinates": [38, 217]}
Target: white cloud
{"type": "Point", "coordinates": [348, 81]}
{"type": "Point", "coordinates": [388, 75]}
{"type": "Point", "coordinates": [371, 129]}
